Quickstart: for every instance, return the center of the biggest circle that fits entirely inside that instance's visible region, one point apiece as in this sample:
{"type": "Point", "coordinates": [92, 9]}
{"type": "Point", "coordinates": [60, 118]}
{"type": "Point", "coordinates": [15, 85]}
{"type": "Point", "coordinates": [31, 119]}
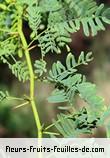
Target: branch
{"type": "Point", "coordinates": [31, 73]}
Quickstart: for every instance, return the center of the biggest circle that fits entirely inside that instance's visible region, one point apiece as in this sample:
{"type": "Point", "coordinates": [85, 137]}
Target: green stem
{"type": "Point", "coordinates": [51, 133]}
{"type": "Point", "coordinates": [29, 63]}
{"type": "Point", "coordinates": [21, 105]}
{"type": "Point", "coordinates": [3, 7]}
{"type": "Point", "coordinates": [14, 98]}
{"type": "Point", "coordinates": [108, 131]}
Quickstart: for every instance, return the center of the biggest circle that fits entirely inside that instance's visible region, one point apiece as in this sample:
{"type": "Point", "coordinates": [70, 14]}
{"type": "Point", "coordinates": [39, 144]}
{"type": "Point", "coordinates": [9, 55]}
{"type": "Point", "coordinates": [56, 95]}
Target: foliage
{"type": "Point", "coordinates": [40, 67]}
{"type": "Point", "coordinates": [67, 78]}
{"type": "Point", "coordinates": [75, 124]}
{"type": "Point", "coordinates": [51, 23]}
{"type": "Point", "coordinates": [20, 70]}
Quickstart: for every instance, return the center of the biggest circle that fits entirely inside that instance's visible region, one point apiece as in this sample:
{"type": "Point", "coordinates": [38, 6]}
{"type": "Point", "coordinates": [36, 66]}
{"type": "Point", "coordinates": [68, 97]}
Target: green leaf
{"type": "Point", "coordinates": [60, 67]}
{"type": "Point", "coordinates": [70, 61]}
{"type": "Point", "coordinates": [88, 93]}
{"type": "Point", "coordinates": [106, 16]}
{"type": "Point", "coordinates": [85, 26]}
{"type": "Point", "coordinates": [89, 57]}
{"type": "Point", "coordinates": [20, 70]}
{"type": "Point", "coordinates": [105, 118]}
{"type": "Point", "coordinates": [40, 67]}
{"type": "Point", "coordinates": [2, 96]}
{"type": "Point", "coordinates": [67, 78]}
{"type": "Point", "coordinates": [34, 17]}
{"type": "Point", "coordinates": [99, 23]}
{"type": "Point", "coordinates": [81, 58]}
{"type": "Point", "coordinates": [65, 126]}
{"type": "Point", "coordinates": [99, 10]}
{"type": "Point", "coordinates": [57, 96]}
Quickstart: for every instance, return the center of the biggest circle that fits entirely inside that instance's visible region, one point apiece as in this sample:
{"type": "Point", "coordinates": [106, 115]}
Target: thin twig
{"type": "Point", "coordinates": [32, 47]}
{"type": "Point", "coordinates": [51, 133]}
{"type": "Point", "coordinates": [14, 98]}
{"type": "Point", "coordinates": [20, 105]}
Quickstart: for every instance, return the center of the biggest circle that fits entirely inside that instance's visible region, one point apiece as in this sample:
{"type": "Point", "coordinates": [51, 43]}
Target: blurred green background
{"type": "Point", "coordinates": [20, 122]}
